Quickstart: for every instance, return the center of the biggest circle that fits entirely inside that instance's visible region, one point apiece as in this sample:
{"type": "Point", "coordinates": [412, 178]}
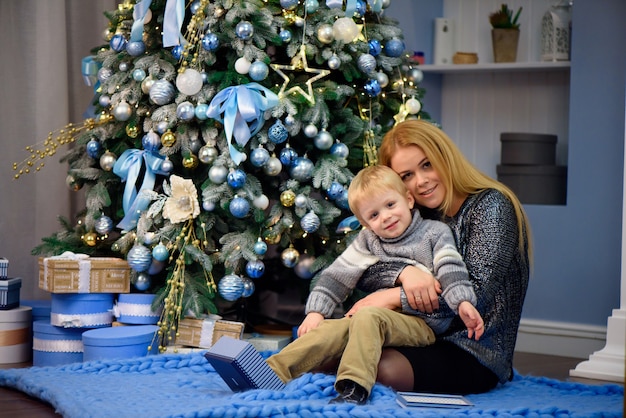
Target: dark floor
{"type": "Point", "coordinates": [16, 404]}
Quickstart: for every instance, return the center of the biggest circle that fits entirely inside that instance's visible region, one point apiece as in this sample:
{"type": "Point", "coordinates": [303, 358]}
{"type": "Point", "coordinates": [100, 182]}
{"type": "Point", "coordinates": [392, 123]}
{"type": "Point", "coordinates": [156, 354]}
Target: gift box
{"type": "Point", "coordinates": [81, 274]}
{"type": "Point", "coordinates": [204, 332]}
{"type": "Point", "coordinates": [263, 342]}
{"type": "Point", "coordinates": [81, 310]}
{"type": "Point", "coordinates": [136, 308]}
{"type": "Point", "coordinates": [41, 308]}
{"type": "Point", "coordinates": [15, 335]}
{"type": "Point", "coordinates": [4, 268]}
{"type": "Point", "coordinates": [120, 342]}
{"type": "Point", "coordinates": [54, 346]}
{"type": "Point", "coordinates": [10, 293]}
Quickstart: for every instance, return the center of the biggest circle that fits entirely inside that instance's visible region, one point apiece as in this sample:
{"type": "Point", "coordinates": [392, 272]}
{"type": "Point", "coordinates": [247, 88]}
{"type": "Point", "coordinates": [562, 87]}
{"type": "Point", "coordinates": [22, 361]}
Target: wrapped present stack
{"type": "Point", "coordinates": [15, 320]}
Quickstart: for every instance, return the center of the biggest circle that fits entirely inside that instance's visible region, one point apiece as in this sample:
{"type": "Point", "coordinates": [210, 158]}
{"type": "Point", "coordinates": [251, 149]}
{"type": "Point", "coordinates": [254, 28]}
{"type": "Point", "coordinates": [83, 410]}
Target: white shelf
{"type": "Point", "coordinates": [495, 67]}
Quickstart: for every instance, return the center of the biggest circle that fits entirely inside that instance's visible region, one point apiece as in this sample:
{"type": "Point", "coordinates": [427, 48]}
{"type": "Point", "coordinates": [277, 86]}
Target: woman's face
{"type": "Point", "coordinates": [419, 176]}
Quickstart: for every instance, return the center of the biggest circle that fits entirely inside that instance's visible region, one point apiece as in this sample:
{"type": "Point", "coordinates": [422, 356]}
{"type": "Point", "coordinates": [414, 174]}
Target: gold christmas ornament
{"type": "Point", "coordinates": [168, 139]}
{"type": "Point", "coordinates": [190, 161]}
{"type": "Point", "coordinates": [287, 198]}
{"type": "Point", "coordinates": [90, 239]}
{"type": "Point", "coordinates": [299, 63]}
{"type": "Point", "coordinates": [132, 131]}
{"type": "Point", "coordinates": [271, 236]}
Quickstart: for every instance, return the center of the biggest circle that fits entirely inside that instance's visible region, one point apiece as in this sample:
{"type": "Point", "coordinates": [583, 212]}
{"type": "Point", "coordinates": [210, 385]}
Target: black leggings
{"type": "Point", "coordinates": [445, 368]}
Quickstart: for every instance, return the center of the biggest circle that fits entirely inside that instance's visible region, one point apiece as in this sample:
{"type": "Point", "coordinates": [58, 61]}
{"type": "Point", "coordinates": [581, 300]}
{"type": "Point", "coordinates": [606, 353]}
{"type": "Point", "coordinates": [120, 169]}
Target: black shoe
{"type": "Point", "coordinates": [350, 392]}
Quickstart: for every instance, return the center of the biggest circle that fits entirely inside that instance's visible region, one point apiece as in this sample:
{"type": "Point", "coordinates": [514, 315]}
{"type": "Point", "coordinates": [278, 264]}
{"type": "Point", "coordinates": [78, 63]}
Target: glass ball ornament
{"type": "Point", "coordinates": [242, 65]}
{"type": "Point", "coordinates": [300, 201]}
{"type": "Point", "coordinates": [167, 165]}
{"type": "Point", "coordinates": [107, 161]}
{"type": "Point", "coordinates": [162, 92]}
{"type": "Point", "coordinates": [277, 133]}
{"type": "Point", "coordinates": [334, 190]}
{"type": "Point", "coordinates": [285, 35]}
{"type": "Point", "coordinates": [345, 30]}
{"type": "Point", "coordinates": [160, 252]}
{"type": "Point", "coordinates": [323, 140]}
{"type": "Point", "coordinates": [135, 48]}
{"type": "Point", "coordinates": [218, 174]}
{"type": "Point", "coordinates": [258, 71]}
{"type": "Point", "coordinates": [303, 268]}
{"type": "Point", "coordinates": [394, 47]}
{"type": "Point", "coordinates": [342, 200]}
{"type": "Point", "coordinates": [334, 62]}
{"type": "Point", "coordinates": [310, 131]}
{"type": "Point", "coordinates": [325, 33]}
{"type": "Point", "coordinates": [139, 258]}
{"type": "Point", "coordinates": [366, 63]}
{"type": "Point", "coordinates": [248, 287]}
{"type": "Point", "coordinates": [210, 42]}
{"type": "Point", "coordinates": [177, 52]}
{"type": "Point", "coordinates": [311, 6]}
{"type": "Point", "coordinates": [413, 106]}
{"type": "Point", "coordinates": [147, 84]}
{"type": "Point", "coordinates": [361, 8]}
{"type": "Point", "coordinates": [236, 178]}
{"type": "Point", "coordinates": [132, 131]}
{"type": "Point", "coordinates": [244, 30]}
{"type": "Point", "coordinates": [261, 202]}
{"type": "Point", "coordinates": [372, 88]}
{"type": "Point", "coordinates": [271, 236]}
{"type": "Point", "coordinates": [104, 100]}
{"type": "Point", "coordinates": [201, 110]}
{"type": "Point", "coordinates": [260, 247]}
{"type": "Point", "coordinates": [287, 156]}
{"type": "Point", "coordinates": [118, 43]}
{"type": "Point", "coordinates": [142, 281]}
{"type": "Point", "coordinates": [289, 257]}
{"type": "Point", "coordinates": [239, 207]}
{"type": "Point", "coordinates": [90, 239]}
{"type": "Point", "coordinates": [189, 82]}
{"type": "Point", "coordinates": [415, 75]}
{"type": "Point", "coordinates": [104, 225]}
{"type": "Point", "coordinates": [190, 161]}
{"type": "Point", "coordinates": [185, 111]}
{"type": "Point", "coordinates": [122, 111]}
{"type": "Point", "coordinates": [162, 127]}
{"type": "Point", "coordinates": [287, 198]}
{"type": "Point", "coordinates": [383, 79]}
{"type": "Point", "coordinates": [207, 154]}
{"type": "Point", "coordinates": [289, 4]}
{"type": "Point", "coordinates": [273, 166]}
{"type": "Point", "coordinates": [302, 169]}
{"type": "Point", "coordinates": [104, 73]}
{"type": "Point", "coordinates": [139, 74]}
{"type": "Point", "coordinates": [259, 156]}
{"type": "Point", "coordinates": [230, 287]}
{"type": "Point", "coordinates": [168, 139]}
{"type": "Point", "coordinates": [93, 148]}
{"type": "Point", "coordinates": [73, 183]}
{"type": "Point", "coordinates": [310, 222]}
{"type": "Point", "coordinates": [339, 150]}
{"type": "Point", "coordinates": [208, 206]}
{"type": "Point", "coordinates": [255, 269]}
{"type": "Point", "coordinates": [375, 48]}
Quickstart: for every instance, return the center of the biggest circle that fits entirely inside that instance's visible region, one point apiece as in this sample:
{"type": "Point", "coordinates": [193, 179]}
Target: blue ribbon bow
{"type": "Point", "coordinates": [128, 167]}
{"type": "Point", "coordinates": [172, 22]}
{"type": "Point", "coordinates": [240, 109]}
{"type": "Point", "coordinates": [139, 16]}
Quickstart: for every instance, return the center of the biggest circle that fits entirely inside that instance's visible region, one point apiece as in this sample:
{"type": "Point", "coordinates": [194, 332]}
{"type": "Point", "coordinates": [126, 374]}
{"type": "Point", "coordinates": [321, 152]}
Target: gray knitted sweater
{"type": "Point", "coordinates": [426, 243]}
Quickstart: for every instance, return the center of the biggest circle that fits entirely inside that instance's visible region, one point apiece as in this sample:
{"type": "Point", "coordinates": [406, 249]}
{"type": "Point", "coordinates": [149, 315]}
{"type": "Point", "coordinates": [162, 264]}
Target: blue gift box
{"type": "Point", "coordinates": [120, 342]}
{"type": "Point", "coordinates": [53, 346]}
{"type": "Point", "coordinates": [41, 308]}
{"type": "Point", "coordinates": [4, 268]}
{"type": "Point", "coordinates": [81, 310]}
{"type": "Point", "coordinates": [136, 308]}
{"type": "Point", "coordinates": [10, 293]}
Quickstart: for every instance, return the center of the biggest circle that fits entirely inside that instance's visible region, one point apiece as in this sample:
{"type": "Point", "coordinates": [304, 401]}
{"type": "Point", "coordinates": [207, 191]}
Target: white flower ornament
{"type": "Point", "coordinates": [183, 201]}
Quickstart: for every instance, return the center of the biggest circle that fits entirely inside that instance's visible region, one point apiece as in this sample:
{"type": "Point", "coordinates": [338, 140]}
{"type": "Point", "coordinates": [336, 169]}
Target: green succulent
{"type": "Point", "coordinates": [504, 18]}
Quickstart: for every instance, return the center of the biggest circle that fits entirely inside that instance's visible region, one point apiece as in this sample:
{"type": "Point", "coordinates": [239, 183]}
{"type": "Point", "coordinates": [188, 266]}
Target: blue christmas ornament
{"type": "Point", "coordinates": [311, 6]}
{"type": "Point", "coordinates": [366, 63]}
{"type": "Point", "coordinates": [104, 225]}
{"type": "Point", "coordinates": [210, 42]}
{"type": "Point", "coordinates": [340, 150]}
{"type": "Point", "coordinates": [244, 30]}
{"type": "Point", "coordinates": [239, 207]}
{"type": "Point", "coordinates": [259, 156]}
{"type": "Point", "coordinates": [186, 111]}
{"type": "Point", "coordinates": [303, 268]}
{"type": "Point", "coordinates": [361, 8]}
{"type": "Point", "coordinates": [118, 43]}
{"type": "Point", "coordinates": [258, 71]}
{"type": "Point", "coordinates": [151, 141]}
{"type": "Point", "coordinates": [139, 74]}
{"type": "Point", "coordinates": [94, 148]}
{"type": "Point", "coordinates": [372, 87]}
{"type": "Point", "coordinates": [236, 179]}
{"type": "Point", "coordinates": [160, 252]}
{"type": "Point", "coordinates": [302, 169]}
{"type": "Point", "coordinates": [260, 247]}
{"type": "Point", "coordinates": [349, 224]}
{"type": "Point", "coordinates": [310, 222]}
{"type": "Point", "coordinates": [201, 110]}
{"type": "Point", "coordinates": [278, 132]}
{"type": "Point", "coordinates": [342, 200]}
{"type": "Point", "coordinates": [334, 190]}
{"type": "Point", "coordinates": [255, 269]}
{"type": "Point", "coordinates": [104, 100]}
{"type": "Point", "coordinates": [375, 47]}
{"type": "Point", "coordinates": [287, 156]}
{"type": "Point", "coordinates": [230, 287]}
{"type": "Point", "coordinates": [142, 282]}
{"type": "Point", "coordinates": [162, 92]}
{"type": "Point", "coordinates": [285, 35]}
{"type": "Point", "coordinates": [323, 140]}
{"type": "Point", "coordinates": [139, 258]}
{"type": "Point", "coordinates": [177, 52]}
{"type": "Point", "coordinates": [394, 47]}
{"type": "Point", "coordinates": [135, 49]}
{"type": "Point", "coordinates": [248, 287]}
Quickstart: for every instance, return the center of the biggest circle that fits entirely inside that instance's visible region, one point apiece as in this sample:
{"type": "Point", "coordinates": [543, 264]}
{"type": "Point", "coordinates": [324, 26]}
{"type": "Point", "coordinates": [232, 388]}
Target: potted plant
{"type": "Point", "coordinates": [505, 34]}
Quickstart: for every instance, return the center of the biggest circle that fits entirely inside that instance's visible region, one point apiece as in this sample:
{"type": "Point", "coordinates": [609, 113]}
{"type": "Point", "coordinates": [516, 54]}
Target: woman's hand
{"type": "Point", "coordinates": [421, 288]}
{"type": "Point", "coordinates": [386, 298]}
{"type": "Point", "coordinates": [312, 321]}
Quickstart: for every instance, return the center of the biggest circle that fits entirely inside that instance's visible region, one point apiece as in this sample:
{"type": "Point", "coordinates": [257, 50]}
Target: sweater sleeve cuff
{"type": "Point", "coordinates": [320, 303]}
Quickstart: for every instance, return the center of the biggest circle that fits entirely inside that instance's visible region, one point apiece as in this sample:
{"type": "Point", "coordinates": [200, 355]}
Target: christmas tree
{"type": "Point", "coordinates": [222, 137]}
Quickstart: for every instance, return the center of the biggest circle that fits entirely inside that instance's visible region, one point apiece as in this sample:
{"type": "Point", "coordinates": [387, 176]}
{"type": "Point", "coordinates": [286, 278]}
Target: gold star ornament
{"type": "Point", "coordinates": [299, 63]}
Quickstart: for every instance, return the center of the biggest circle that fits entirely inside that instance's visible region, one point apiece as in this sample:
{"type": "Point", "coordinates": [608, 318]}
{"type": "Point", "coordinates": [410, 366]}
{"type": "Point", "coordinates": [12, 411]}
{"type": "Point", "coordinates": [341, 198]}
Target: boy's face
{"type": "Point", "coordinates": [387, 214]}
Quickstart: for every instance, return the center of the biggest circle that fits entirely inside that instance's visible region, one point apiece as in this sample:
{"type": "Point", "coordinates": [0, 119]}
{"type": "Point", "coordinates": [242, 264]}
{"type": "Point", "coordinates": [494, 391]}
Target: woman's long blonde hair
{"type": "Point", "coordinates": [459, 176]}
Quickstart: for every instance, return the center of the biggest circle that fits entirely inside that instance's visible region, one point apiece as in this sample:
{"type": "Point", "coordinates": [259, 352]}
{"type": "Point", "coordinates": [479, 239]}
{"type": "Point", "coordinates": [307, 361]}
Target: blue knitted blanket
{"type": "Point", "coordinates": [185, 385]}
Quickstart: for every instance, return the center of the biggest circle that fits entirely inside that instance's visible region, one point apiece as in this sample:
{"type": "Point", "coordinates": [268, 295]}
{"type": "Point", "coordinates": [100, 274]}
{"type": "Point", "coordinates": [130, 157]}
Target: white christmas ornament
{"type": "Point", "coordinates": [189, 82]}
{"type": "Point", "coordinates": [242, 65]}
{"type": "Point", "coordinates": [345, 30]}
{"type": "Point", "coordinates": [413, 106]}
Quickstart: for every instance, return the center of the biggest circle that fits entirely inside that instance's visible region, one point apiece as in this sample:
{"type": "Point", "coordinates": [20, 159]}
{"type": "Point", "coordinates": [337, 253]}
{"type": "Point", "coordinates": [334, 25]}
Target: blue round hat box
{"type": "Point", "coordinates": [136, 308]}
{"type": "Point", "coordinates": [54, 346]}
{"type": "Point", "coordinates": [81, 310]}
{"type": "Point", "coordinates": [41, 308]}
{"type": "Point", "coordinates": [124, 341]}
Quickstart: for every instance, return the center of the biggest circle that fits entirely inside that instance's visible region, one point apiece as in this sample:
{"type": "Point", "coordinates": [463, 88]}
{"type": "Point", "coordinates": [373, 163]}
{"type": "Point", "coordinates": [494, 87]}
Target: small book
{"type": "Point", "coordinates": [241, 366]}
{"type": "Point", "coordinates": [431, 400]}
